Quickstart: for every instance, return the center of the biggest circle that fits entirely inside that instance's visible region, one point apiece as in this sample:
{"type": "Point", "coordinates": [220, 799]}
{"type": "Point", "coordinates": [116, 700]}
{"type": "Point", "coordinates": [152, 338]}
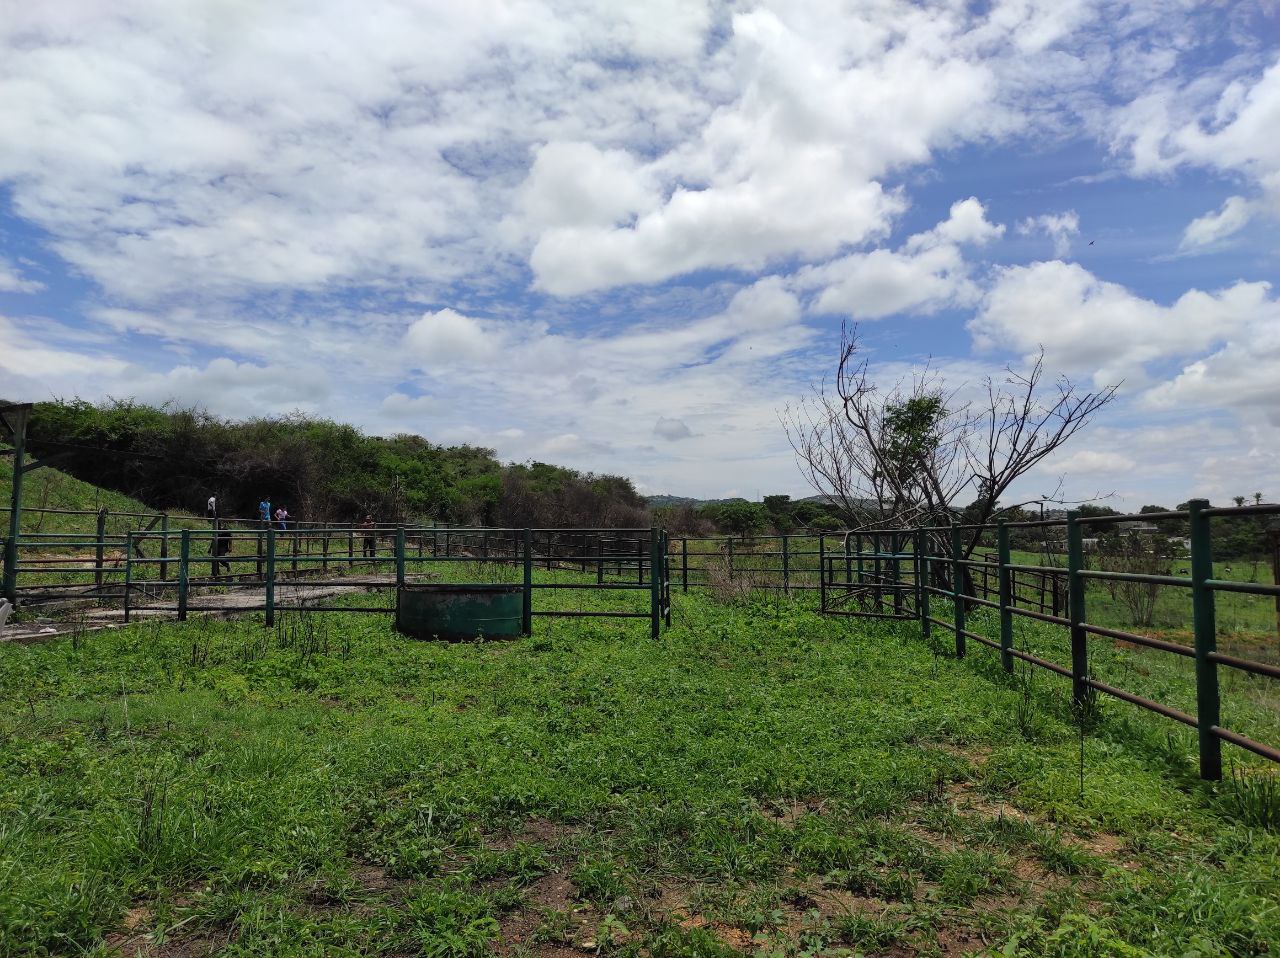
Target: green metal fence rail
{"type": "Point", "coordinates": [266, 565]}
{"type": "Point", "coordinates": [945, 571]}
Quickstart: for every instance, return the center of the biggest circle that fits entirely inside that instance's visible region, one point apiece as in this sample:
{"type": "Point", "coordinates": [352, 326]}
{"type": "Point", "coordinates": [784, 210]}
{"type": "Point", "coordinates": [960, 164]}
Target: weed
{"type": "Point", "coordinates": [1252, 798]}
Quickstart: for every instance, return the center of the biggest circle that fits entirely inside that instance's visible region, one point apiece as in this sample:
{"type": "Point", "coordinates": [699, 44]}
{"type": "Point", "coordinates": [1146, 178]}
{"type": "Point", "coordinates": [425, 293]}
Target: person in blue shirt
{"type": "Point", "coordinates": [264, 513]}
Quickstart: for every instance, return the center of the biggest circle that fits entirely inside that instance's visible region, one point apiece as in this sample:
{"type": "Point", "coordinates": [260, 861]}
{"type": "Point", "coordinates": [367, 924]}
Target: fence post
{"type": "Point", "coordinates": [895, 570]}
{"type": "Point", "coordinates": [684, 563]}
{"type": "Point", "coordinates": [1206, 633]}
{"type": "Point", "coordinates": [666, 576]}
{"type": "Point", "coordinates": [655, 585]}
{"type": "Point", "coordinates": [526, 623]}
{"type": "Point", "coordinates": [399, 556]}
{"type": "Point", "coordinates": [786, 566]}
{"type": "Point", "coordinates": [99, 549]}
{"type": "Point", "coordinates": [128, 571]}
{"type": "Point", "coordinates": [15, 512]}
{"type": "Point", "coordinates": [271, 576]}
{"type": "Point", "coordinates": [957, 591]}
{"type": "Point", "coordinates": [1003, 584]}
{"type": "Point", "coordinates": [822, 572]}
{"type": "Point", "coordinates": [848, 562]}
{"type": "Point", "coordinates": [922, 577]}
{"type": "Point", "coordinates": [164, 546]}
{"type": "Point", "coordinates": [184, 557]}
{"type": "Point", "coordinates": [1076, 609]}
{"type": "Point", "coordinates": [730, 558]}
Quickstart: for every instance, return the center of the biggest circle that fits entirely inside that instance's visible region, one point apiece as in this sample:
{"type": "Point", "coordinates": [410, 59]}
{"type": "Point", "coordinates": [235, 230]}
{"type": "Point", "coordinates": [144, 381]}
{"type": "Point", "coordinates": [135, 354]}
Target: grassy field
{"type": "Point", "coordinates": [761, 781]}
{"type": "Point", "coordinates": [1248, 623]}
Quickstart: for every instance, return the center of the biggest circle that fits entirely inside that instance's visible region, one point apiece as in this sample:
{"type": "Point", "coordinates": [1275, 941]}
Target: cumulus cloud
{"type": "Point", "coordinates": [1088, 324]}
{"type": "Point", "coordinates": [1059, 227]}
{"type": "Point", "coordinates": [242, 191]}
{"type": "Point", "coordinates": [927, 273]}
{"type": "Point", "coordinates": [447, 336]}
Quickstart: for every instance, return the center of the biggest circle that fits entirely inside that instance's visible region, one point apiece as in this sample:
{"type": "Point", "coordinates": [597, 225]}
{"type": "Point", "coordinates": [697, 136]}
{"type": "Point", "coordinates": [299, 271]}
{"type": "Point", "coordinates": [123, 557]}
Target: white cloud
{"type": "Point", "coordinates": [1231, 218]}
{"type": "Point", "coordinates": [1088, 324]}
{"type": "Point", "coordinates": [1243, 374]}
{"type": "Point", "coordinates": [1224, 120]}
{"type": "Point", "coordinates": [12, 280]}
{"type": "Point", "coordinates": [1059, 227]}
{"type": "Point", "coordinates": [447, 336]}
{"type": "Point", "coordinates": [926, 274]}
{"type": "Point", "coordinates": [398, 405]}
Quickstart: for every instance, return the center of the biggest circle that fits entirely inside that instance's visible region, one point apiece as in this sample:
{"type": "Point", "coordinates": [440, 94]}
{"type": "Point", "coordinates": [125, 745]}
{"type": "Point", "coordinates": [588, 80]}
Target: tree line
{"type": "Point", "coordinates": [172, 457]}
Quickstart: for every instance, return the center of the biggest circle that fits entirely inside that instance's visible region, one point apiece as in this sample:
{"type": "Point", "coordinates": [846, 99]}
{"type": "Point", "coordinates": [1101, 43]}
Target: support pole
{"type": "Point", "coordinates": [1076, 609]}
{"type": "Point", "coordinates": [526, 623]}
{"type": "Point", "coordinates": [922, 550]}
{"type": "Point", "coordinates": [271, 577]}
{"type": "Point", "coordinates": [99, 548]}
{"type": "Point", "coordinates": [957, 591]}
{"type": "Point", "coordinates": [895, 571]}
{"type": "Point", "coordinates": [822, 572]}
{"type": "Point", "coordinates": [1004, 582]}
{"type": "Point", "coordinates": [184, 560]}
{"type": "Point", "coordinates": [684, 564]}
{"type": "Point", "coordinates": [655, 585]}
{"type": "Point", "coordinates": [786, 566]}
{"type": "Point", "coordinates": [399, 556]}
{"type": "Point", "coordinates": [1208, 708]}
{"type": "Point", "coordinates": [666, 577]}
{"type": "Point", "coordinates": [164, 546]}
{"type": "Point", "coordinates": [15, 505]}
{"type": "Point", "coordinates": [128, 572]}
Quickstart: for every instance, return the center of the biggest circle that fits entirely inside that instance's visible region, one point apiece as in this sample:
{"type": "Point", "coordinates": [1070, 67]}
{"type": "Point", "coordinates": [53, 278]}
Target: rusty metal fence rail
{"type": "Point", "coordinates": [942, 570]}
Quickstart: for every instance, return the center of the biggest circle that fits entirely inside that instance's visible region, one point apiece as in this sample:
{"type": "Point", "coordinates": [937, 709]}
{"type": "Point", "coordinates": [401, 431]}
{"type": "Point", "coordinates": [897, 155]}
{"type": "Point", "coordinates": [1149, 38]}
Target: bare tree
{"type": "Point", "coordinates": [913, 452]}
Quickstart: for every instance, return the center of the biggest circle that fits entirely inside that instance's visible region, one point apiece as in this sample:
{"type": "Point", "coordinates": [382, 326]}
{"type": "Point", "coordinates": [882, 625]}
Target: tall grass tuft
{"type": "Point", "coordinates": [1252, 798]}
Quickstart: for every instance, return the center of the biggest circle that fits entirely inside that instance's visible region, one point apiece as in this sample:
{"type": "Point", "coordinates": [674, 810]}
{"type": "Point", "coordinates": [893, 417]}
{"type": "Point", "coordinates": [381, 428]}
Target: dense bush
{"type": "Point", "coordinates": [319, 469]}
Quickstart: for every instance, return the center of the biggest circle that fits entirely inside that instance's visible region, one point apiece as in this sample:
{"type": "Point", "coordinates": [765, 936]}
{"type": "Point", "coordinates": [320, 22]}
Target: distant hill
{"type": "Point", "coordinates": [667, 502]}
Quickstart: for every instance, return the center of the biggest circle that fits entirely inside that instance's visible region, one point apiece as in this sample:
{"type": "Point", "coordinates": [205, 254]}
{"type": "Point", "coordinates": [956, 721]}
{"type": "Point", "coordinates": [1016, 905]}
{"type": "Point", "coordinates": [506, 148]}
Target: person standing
{"type": "Point", "coordinates": [282, 518]}
{"type": "Point", "coordinates": [370, 543]}
{"type": "Point", "coordinates": [264, 513]}
{"type": "Point", "coordinates": [211, 507]}
{"type": "Point", "coordinates": [221, 549]}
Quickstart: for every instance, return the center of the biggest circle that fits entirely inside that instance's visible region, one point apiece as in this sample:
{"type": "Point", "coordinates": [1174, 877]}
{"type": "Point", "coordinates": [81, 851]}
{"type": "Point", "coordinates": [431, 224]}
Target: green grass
{"type": "Point", "coordinates": [48, 488]}
{"type": "Point", "coordinates": [763, 780]}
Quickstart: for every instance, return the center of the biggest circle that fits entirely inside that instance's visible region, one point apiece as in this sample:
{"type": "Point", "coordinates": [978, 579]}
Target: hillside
{"type": "Point", "coordinates": [49, 488]}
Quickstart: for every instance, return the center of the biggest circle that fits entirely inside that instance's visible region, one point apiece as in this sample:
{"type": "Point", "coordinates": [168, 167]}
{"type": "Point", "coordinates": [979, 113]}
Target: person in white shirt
{"type": "Point", "coordinates": [282, 516]}
{"type": "Point", "coordinates": [211, 507]}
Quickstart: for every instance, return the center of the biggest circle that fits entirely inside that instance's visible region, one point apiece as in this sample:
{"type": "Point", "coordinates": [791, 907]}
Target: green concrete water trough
{"type": "Point", "coordinates": [458, 612]}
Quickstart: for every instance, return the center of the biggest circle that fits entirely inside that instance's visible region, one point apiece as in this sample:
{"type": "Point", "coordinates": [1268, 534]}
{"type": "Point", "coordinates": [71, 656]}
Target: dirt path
{"type": "Point", "coordinates": [106, 617]}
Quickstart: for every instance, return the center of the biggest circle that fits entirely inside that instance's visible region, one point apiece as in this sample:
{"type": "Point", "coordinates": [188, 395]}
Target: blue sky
{"type": "Point", "coordinates": [624, 237]}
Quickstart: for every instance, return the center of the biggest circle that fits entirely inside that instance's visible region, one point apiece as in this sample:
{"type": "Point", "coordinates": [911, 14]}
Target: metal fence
{"type": "Point", "coordinates": [254, 566]}
{"type": "Point", "coordinates": [942, 570]}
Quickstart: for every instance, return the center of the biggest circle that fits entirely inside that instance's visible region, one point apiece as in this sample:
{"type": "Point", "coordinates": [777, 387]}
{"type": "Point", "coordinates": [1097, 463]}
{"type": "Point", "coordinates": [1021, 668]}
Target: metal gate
{"type": "Point", "coordinates": [871, 574]}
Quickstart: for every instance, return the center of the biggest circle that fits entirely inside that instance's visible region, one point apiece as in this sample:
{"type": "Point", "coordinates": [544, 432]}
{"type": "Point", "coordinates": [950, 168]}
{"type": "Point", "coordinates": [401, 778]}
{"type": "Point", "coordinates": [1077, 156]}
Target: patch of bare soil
{"type": "Point", "coordinates": [134, 939]}
{"type": "Point", "coordinates": [533, 831]}
{"type": "Point", "coordinates": [789, 812]}
{"type": "Point", "coordinates": [550, 922]}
